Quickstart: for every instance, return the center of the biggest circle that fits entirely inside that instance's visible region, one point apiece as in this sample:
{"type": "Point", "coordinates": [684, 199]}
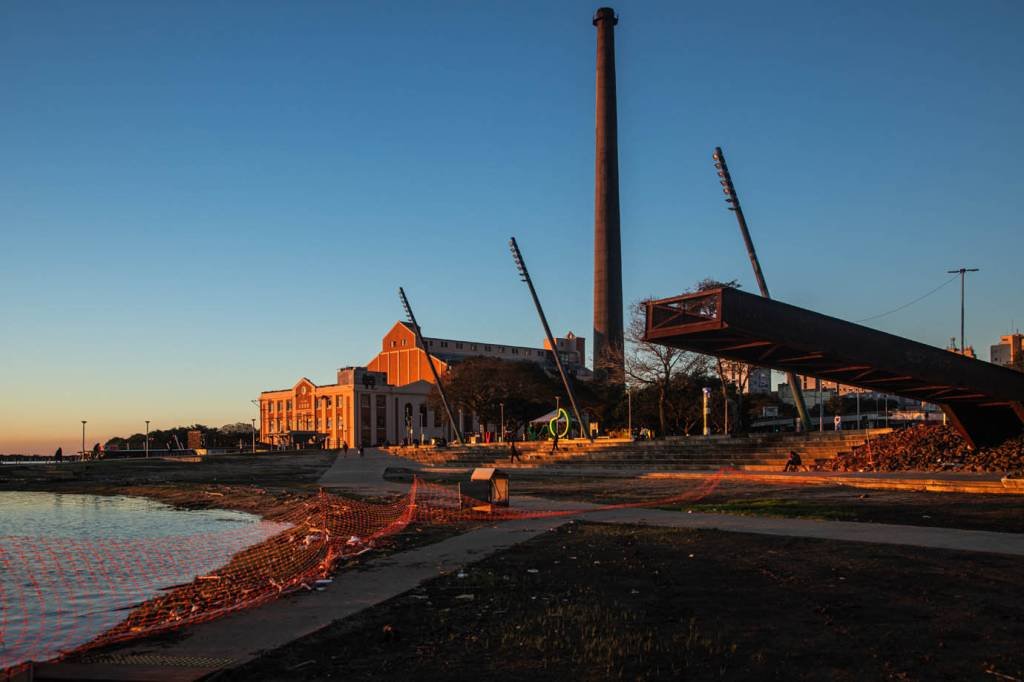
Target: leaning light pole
{"type": "Point", "coordinates": [430, 362]}
{"type": "Point", "coordinates": [725, 178]}
{"type": "Point", "coordinates": [524, 275]}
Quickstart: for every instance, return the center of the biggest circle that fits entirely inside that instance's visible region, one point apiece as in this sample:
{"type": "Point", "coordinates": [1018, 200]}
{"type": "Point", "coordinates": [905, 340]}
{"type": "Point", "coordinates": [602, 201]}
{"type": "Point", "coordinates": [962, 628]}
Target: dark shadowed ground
{"type": "Point", "coordinates": [595, 602]}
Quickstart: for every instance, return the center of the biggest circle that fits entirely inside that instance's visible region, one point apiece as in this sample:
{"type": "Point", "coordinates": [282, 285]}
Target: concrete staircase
{"type": "Point", "coordinates": [759, 452]}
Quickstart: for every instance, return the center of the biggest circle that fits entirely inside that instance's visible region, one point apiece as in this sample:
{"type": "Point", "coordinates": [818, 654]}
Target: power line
{"type": "Point", "coordinates": [907, 305]}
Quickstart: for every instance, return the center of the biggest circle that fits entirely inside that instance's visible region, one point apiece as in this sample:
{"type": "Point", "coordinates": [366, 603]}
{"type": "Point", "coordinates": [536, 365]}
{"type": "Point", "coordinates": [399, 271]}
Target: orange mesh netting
{"type": "Point", "coordinates": [323, 530]}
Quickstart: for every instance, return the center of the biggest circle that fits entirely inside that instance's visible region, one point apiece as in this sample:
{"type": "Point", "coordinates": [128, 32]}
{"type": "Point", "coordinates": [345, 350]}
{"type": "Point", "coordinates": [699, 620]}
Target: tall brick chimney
{"type": "Point", "coordinates": [608, 337]}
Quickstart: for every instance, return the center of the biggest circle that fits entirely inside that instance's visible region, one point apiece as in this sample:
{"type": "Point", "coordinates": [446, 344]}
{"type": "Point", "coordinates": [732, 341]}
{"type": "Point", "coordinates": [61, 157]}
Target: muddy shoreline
{"type": "Point", "coordinates": [264, 485]}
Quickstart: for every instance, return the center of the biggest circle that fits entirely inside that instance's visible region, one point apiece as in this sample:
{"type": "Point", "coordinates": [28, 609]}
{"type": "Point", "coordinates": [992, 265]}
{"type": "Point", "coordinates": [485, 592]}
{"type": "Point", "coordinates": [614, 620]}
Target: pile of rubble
{"type": "Point", "coordinates": [930, 448]}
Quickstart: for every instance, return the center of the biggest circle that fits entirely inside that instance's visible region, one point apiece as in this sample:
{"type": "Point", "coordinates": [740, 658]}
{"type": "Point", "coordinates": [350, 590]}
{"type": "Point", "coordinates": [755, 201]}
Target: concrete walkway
{"type": "Point", "coordinates": [847, 531]}
{"type": "Point", "coordinates": [929, 481]}
{"type": "Point", "coordinates": [365, 475]}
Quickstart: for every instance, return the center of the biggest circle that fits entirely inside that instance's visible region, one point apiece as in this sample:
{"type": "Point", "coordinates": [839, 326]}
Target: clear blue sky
{"type": "Point", "coordinates": [200, 200]}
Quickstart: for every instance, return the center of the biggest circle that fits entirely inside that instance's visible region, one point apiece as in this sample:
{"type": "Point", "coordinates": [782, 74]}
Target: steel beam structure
{"type": "Point", "coordinates": [985, 402]}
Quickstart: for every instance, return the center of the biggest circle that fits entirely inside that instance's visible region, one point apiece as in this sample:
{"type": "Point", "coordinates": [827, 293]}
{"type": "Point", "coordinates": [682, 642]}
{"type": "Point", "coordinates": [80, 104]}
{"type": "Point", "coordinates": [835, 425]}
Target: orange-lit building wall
{"type": "Point", "coordinates": [402, 360]}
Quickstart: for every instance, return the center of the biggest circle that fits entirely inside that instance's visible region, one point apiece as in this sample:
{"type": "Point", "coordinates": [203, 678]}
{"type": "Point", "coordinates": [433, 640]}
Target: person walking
{"type": "Point", "coordinates": [344, 448]}
{"type": "Point", "coordinates": [554, 441]}
{"type": "Point", "coordinates": [58, 456]}
{"type": "Point", "coordinates": [361, 449]}
{"type": "Point", "coordinates": [513, 453]}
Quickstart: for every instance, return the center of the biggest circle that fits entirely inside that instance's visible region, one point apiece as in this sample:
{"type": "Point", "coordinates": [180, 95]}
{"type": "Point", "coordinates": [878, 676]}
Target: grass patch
{"type": "Point", "coordinates": [790, 509]}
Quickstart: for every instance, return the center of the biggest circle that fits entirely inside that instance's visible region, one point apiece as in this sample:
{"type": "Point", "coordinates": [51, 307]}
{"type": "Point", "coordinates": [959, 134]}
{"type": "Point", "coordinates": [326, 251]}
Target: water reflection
{"type": "Point", "coordinates": [71, 565]}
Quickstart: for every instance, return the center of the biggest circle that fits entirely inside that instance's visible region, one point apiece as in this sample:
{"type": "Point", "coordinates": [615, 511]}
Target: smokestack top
{"type": "Point", "coordinates": [605, 13]}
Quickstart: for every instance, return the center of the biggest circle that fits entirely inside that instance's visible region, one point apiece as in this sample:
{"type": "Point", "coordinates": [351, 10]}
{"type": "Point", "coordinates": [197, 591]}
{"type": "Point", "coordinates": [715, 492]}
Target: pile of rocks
{"type": "Point", "coordinates": [930, 448]}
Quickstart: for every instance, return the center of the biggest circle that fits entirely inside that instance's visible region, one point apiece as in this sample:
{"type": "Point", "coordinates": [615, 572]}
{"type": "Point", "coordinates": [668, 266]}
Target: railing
{"type": "Point", "coordinates": [702, 306]}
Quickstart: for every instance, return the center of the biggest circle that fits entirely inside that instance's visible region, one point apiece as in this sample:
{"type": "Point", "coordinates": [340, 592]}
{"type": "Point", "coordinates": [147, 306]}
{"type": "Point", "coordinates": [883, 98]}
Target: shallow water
{"type": "Point", "coordinates": [72, 565]}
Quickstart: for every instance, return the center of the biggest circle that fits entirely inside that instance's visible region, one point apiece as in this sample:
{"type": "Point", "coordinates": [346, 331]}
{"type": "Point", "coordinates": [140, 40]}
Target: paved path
{"type": "Point", "coordinates": [931, 481]}
{"type": "Point", "coordinates": [878, 533]}
{"type": "Point", "coordinates": [365, 474]}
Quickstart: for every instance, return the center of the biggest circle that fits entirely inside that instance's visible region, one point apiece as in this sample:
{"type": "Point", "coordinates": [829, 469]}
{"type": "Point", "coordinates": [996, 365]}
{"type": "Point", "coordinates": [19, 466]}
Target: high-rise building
{"type": "Point", "coordinates": [1009, 352]}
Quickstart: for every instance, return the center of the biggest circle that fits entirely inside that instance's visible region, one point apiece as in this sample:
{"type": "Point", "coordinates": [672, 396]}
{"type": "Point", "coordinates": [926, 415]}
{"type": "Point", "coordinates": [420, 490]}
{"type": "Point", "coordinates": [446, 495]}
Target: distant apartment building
{"type": "Point", "coordinates": [760, 381]}
{"type": "Point", "coordinates": [752, 380]}
{"type": "Point", "coordinates": [811, 384]}
{"type": "Point", "coordinates": [1009, 352]}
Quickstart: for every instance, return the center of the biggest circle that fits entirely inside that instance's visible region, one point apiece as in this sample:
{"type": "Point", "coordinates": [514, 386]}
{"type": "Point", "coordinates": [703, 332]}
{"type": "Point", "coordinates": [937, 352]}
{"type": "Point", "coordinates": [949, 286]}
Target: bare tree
{"type": "Point", "coordinates": [655, 365]}
{"type": "Point", "coordinates": [729, 371]}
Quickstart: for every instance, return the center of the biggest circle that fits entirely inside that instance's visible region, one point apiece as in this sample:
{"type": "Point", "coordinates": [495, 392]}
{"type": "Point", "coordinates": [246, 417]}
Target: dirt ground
{"type": "Point", "coordinates": [596, 602]}
{"type": "Point", "coordinates": [950, 510]}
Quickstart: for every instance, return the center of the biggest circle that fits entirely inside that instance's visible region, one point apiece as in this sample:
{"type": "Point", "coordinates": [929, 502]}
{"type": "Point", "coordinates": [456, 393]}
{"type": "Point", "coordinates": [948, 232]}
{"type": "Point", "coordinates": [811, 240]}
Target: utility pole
{"type": "Point", "coordinates": [83, 438]}
{"type": "Point", "coordinates": [524, 275]}
{"type": "Point", "coordinates": [821, 406]}
{"type": "Point", "coordinates": [963, 275]}
{"type": "Point", "coordinates": [733, 200]}
{"type": "Point", "coordinates": [254, 435]}
{"type": "Point", "coordinates": [457, 428]}
{"type": "Point", "coordinates": [147, 439]}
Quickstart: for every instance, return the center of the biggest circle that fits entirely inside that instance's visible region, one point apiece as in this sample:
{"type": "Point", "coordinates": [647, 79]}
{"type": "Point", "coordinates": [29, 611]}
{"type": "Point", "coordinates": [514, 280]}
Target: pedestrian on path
{"type": "Point", "coordinates": [344, 447]}
{"type": "Point", "coordinates": [554, 441]}
{"type": "Point", "coordinates": [513, 454]}
{"type": "Point", "coordinates": [361, 448]}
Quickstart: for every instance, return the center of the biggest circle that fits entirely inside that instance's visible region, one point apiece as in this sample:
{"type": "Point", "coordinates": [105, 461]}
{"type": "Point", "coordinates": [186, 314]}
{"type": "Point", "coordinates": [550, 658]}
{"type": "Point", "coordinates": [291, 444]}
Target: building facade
{"type": "Point", "coordinates": [1009, 352]}
{"type": "Point", "coordinates": [749, 379]}
{"type": "Point", "coordinates": [404, 361]}
{"type": "Point", "coordinates": [387, 401]}
{"type": "Point", "coordinates": [361, 407]}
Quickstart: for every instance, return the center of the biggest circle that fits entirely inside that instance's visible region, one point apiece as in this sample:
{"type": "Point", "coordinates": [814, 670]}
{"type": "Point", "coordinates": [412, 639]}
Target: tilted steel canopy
{"type": "Point", "coordinates": [984, 401]}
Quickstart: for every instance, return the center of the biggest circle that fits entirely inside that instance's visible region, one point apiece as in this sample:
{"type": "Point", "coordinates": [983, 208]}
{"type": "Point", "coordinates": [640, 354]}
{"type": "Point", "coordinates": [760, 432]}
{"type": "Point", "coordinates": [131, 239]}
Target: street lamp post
{"type": "Point", "coordinates": [963, 275]}
{"type": "Point", "coordinates": [501, 437]}
{"type": "Point", "coordinates": [707, 410]}
{"type": "Point", "coordinates": [254, 435]}
{"type": "Point", "coordinates": [629, 411]}
{"type": "Point", "coordinates": [83, 439]}
{"type": "Point", "coordinates": [147, 438]}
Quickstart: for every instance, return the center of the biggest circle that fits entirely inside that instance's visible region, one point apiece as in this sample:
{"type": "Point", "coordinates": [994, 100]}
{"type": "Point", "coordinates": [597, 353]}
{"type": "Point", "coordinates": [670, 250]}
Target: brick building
{"type": "Point", "coordinates": [386, 401]}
